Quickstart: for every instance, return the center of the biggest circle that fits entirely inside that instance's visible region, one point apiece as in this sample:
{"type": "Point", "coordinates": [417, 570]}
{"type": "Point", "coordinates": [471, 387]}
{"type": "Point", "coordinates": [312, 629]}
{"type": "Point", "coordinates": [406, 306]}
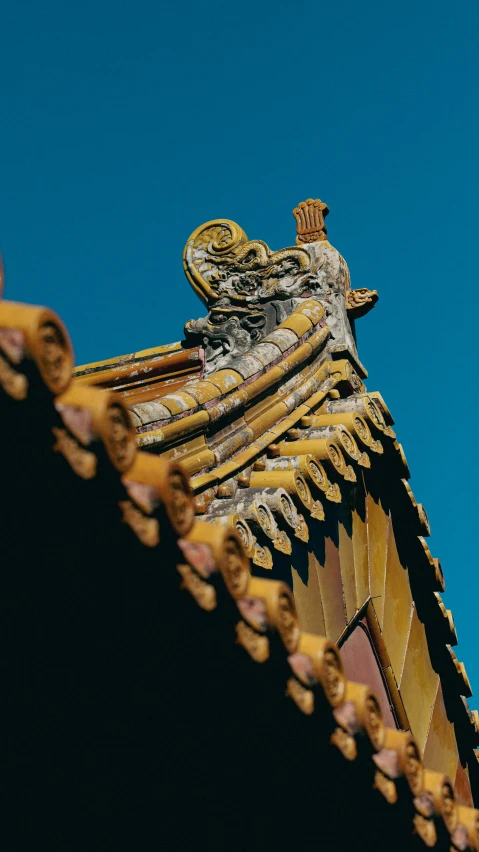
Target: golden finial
{"type": "Point", "coordinates": [310, 225]}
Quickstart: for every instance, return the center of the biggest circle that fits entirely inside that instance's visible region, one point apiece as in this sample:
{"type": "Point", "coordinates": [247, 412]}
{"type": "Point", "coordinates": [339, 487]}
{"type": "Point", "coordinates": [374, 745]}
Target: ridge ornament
{"type": "Point", "coordinates": [250, 289]}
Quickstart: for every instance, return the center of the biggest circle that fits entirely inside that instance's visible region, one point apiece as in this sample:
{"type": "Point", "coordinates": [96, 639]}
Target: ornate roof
{"type": "Point", "coordinates": [305, 572]}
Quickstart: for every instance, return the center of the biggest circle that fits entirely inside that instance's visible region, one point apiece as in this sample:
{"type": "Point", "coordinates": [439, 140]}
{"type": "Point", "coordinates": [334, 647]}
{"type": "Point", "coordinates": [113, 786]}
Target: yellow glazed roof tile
{"type": "Point", "coordinates": [342, 548]}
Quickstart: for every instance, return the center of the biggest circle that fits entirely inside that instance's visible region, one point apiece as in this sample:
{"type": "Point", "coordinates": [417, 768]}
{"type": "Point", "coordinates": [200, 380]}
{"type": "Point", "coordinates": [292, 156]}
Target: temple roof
{"type": "Point", "coordinates": [308, 554]}
{"type": "Point", "coordinates": [146, 375]}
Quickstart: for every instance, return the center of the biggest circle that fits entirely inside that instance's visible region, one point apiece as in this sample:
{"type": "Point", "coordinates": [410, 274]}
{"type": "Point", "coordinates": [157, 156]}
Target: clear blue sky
{"type": "Point", "coordinates": [126, 125]}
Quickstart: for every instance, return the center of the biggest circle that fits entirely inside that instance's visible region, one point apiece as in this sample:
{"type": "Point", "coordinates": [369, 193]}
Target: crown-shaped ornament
{"type": "Point", "coordinates": [310, 225]}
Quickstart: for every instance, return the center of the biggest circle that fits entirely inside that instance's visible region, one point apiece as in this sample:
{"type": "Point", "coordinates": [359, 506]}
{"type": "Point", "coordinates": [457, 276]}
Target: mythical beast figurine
{"type": "Point", "coordinates": [250, 289]}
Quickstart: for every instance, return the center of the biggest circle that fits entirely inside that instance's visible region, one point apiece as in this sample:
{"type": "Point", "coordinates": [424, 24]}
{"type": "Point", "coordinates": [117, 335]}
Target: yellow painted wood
{"type": "Point", "coordinates": [397, 607]}
{"type": "Point", "coordinates": [346, 559]}
{"type": "Point", "coordinates": [396, 699]}
{"type": "Point", "coordinates": [329, 578]}
{"type": "Point", "coordinates": [377, 530]}
{"type": "Point", "coordinates": [440, 751]}
{"type": "Point", "coordinates": [360, 554]}
{"type": "Point", "coordinates": [308, 599]}
{"type": "Point", "coordinates": [419, 682]}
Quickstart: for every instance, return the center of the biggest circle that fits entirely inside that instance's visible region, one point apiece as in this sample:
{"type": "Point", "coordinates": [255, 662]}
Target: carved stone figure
{"type": "Point", "coordinates": [250, 289]}
{"type": "Point", "coordinates": [230, 330]}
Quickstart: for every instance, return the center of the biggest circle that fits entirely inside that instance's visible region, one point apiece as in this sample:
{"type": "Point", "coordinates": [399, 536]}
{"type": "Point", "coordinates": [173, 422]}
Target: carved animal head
{"type": "Point", "coordinates": [226, 332]}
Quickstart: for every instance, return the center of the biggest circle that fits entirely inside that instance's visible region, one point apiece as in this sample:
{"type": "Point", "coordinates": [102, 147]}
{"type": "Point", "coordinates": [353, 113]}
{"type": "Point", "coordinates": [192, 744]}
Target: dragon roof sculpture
{"type": "Point", "coordinates": [256, 583]}
{"type": "Point", "coordinates": [250, 289]}
{"type": "Point", "coordinates": [265, 406]}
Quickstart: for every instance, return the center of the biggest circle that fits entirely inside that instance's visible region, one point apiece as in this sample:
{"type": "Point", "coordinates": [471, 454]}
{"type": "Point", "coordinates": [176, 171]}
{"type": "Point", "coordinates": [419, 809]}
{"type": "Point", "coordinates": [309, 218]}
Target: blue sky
{"type": "Point", "coordinates": [124, 126]}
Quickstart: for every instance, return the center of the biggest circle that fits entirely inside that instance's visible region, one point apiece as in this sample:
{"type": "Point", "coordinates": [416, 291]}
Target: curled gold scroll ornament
{"type": "Point", "coordinates": [344, 437]}
{"type": "Point", "coordinates": [83, 462]}
{"type": "Point", "coordinates": [264, 517]}
{"type": "Point", "coordinates": [349, 474]}
{"type": "Point", "coordinates": [279, 501]}
{"type": "Point", "coordinates": [375, 414]}
{"type": "Point", "coordinates": [13, 383]}
{"type": "Point", "coordinates": [280, 609]}
{"type": "Point", "coordinates": [203, 593]}
{"type": "Point", "coordinates": [317, 473]}
{"type": "Point", "coordinates": [217, 238]}
{"type": "Point", "coordinates": [282, 543]}
{"type": "Point", "coordinates": [244, 531]}
{"type": "Point", "coordinates": [288, 510]}
{"type": "Point", "coordinates": [171, 486]}
{"type": "Point", "coordinates": [262, 557]}
{"type": "Point", "coordinates": [317, 510]}
{"type": "Point", "coordinates": [145, 528]}
{"type": "Point", "coordinates": [440, 786]}
{"type": "Point", "coordinates": [303, 491]}
{"type": "Point", "coordinates": [219, 260]}
{"type": "Point", "coordinates": [320, 448]}
{"type": "Point", "coordinates": [345, 743]}
{"type": "Point", "coordinates": [291, 480]}
{"type": "Point", "coordinates": [28, 331]}
{"type": "Point", "coordinates": [425, 828]}
{"type": "Point", "coordinates": [368, 712]}
{"type": "Point", "coordinates": [302, 530]}
{"type": "Point", "coordinates": [228, 552]}
{"type": "Point", "coordinates": [301, 695]}
{"type": "Point", "coordinates": [362, 429]}
{"type": "Point", "coordinates": [386, 787]}
{"type": "Point", "coordinates": [408, 757]}
{"type": "Point", "coordinates": [256, 645]}
{"type": "Point", "coordinates": [334, 493]}
{"type": "Point", "coordinates": [91, 413]}
{"type": "Point", "coordinates": [351, 420]}
{"type": "Point", "coordinates": [119, 436]}
{"type": "Point", "coordinates": [326, 666]}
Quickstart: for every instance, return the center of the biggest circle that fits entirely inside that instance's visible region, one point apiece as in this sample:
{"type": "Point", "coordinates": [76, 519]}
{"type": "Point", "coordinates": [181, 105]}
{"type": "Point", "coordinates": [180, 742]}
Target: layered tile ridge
{"type": "Point", "coordinates": [239, 566]}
